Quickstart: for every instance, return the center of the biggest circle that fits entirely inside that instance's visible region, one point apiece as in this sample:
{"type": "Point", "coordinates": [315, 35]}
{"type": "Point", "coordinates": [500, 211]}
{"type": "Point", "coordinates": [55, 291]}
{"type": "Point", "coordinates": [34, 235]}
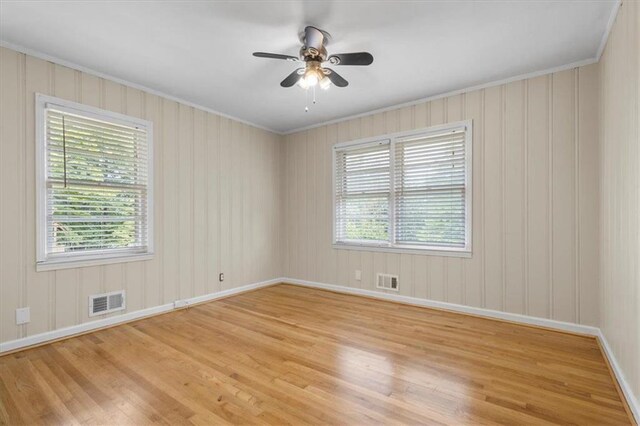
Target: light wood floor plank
{"type": "Point", "coordinates": [292, 355]}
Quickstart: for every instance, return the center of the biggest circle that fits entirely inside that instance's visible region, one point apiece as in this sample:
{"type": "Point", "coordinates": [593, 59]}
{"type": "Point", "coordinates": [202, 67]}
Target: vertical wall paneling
{"type": "Point", "coordinates": [199, 214]}
{"type": "Point", "coordinates": [314, 203]}
{"type": "Point", "coordinates": [355, 259]}
{"type": "Point", "coordinates": [473, 267]}
{"type": "Point", "coordinates": [154, 274]}
{"type": "Point", "coordinates": [184, 148]}
{"type": "Point", "coordinates": [533, 147]}
{"type": "Point", "coordinates": [212, 180]}
{"type": "Point", "coordinates": [225, 201]}
{"type": "Point", "coordinates": [563, 195]}
{"type": "Point", "coordinates": [37, 285]}
{"type": "Point", "coordinates": [204, 165]}
{"type": "Point", "coordinates": [619, 179]}
{"type": "Point", "coordinates": [587, 207]}
{"type": "Point", "coordinates": [306, 195]}
{"type": "Point", "coordinates": [9, 174]}
{"type": "Point", "coordinates": [493, 193]}
{"type": "Point", "coordinates": [538, 185]}
{"type": "Point", "coordinates": [237, 241]}
{"type": "Point", "coordinates": [514, 213]}
{"type": "Point", "coordinates": [170, 212]}
{"type": "Point", "coordinates": [22, 246]}
{"type": "Point", "coordinates": [525, 197]}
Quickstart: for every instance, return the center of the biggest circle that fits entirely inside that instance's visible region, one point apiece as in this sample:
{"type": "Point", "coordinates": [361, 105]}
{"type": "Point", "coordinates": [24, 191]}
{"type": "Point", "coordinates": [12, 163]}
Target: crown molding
{"type": "Point", "coordinates": [595, 59]}
{"type": "Point", "coordinates": [448, 94]}
{"type": "Point", "coordinates": [607, 31]}
{"type": "Point", "coordinates": [72, 65]}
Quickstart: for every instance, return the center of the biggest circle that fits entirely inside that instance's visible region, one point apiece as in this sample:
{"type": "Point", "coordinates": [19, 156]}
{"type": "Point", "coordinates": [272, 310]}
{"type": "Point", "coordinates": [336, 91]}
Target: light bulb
{"type": "Point", "coordinates": [303, 83]}
{"type": "Point", "coordinates": [325, 83]}
{"type": "Point", "coordinates": [312, 79]}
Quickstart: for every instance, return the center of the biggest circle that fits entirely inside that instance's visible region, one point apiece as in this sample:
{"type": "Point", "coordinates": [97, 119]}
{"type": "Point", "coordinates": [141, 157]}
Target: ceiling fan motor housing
{"type": "Point", "coordinates": [313, 54]}
{"type": "Point", "coordinates": [314, 41]}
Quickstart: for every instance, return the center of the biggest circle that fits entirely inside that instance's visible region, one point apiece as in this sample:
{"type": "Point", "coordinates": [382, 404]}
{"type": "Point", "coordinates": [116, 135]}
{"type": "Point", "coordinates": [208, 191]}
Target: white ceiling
{"type": "Point", "coordinates": [201, 51]}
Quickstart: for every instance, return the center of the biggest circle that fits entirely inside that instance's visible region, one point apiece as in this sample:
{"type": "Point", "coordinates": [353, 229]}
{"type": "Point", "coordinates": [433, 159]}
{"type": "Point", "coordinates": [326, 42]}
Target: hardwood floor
{"type": "Point", "coordinates": [287, 354]}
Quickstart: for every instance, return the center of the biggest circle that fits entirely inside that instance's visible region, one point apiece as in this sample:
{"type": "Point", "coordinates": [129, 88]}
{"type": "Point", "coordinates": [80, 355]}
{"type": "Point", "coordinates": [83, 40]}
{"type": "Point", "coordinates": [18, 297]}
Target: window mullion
{"type": "Point", "coordinates": [392, 192]}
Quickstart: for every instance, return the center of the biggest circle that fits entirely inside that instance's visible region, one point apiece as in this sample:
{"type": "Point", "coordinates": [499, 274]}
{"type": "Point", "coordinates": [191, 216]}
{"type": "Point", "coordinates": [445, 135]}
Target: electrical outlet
{"type": "Point", "coordinates": [358, 275]}
{"type": "Point", "coordinates": [23, 315]}
{"type": "Point", "coordinates": [221, 277]}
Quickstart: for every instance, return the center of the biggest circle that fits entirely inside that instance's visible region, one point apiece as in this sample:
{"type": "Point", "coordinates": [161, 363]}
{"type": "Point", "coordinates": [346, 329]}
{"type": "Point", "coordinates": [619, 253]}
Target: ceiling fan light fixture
{"type": "Point", "coordinates": [314, 53]}
{"type": "Point", "coordinates": [325, 83]}
{"type": "Point", "coordinates": [313, 74]}
{"type": "Point", "coordinates": [311, 79]}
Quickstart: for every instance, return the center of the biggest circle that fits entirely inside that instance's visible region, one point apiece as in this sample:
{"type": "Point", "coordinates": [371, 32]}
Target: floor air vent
{"type": "Point", "coordinates": [104, 303]}
{"type": "Point", "coordinates": [387, 282]}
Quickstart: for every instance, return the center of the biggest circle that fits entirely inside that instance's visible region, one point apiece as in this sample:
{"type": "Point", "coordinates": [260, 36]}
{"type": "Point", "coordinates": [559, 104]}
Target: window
{"type": "Point", "coordinates": [94, 186]}
{"type": "Point", "coordinates": [362, 193]}
{"type": "Point", "coordinates": [407, 191]}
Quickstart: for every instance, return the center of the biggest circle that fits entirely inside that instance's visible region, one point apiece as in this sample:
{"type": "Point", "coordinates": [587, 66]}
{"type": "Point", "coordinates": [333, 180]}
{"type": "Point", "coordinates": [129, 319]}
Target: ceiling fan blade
{"type": "Point", "coordinates": [337, 78]}
{"type": "Point", "coordinates": [357, 58]}
{"type": "Point", "coordinates": [275, 56]}
{"type": "Point", "coordinates": [292, 78]}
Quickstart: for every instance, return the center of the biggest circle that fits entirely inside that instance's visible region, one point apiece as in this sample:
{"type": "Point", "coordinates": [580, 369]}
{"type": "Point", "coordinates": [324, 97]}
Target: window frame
{"type": "Point", "coordinates": [391, 246]}
{"type": "Point", "coordinates": [43, 261]}
{"type": "Point", "coordinates": [358, 145]}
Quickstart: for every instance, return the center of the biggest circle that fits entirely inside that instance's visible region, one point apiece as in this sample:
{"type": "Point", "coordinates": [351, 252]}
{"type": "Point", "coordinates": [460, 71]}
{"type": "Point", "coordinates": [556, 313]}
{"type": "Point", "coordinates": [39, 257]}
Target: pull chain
{"type": "Point", "coordinates": [306, 100]}
{"type": "Point", "coordinates": [306, 108]}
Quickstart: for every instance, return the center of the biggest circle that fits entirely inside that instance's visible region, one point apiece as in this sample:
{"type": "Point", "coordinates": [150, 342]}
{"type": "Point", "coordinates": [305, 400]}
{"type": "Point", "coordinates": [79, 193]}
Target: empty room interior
{"type": "Point", "coordinates": [320, 212]}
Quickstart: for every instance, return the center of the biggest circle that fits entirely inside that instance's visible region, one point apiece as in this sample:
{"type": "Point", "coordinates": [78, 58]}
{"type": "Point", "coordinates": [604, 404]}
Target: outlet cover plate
{"type": "Point", "coordinates": [180, 303]}
{"type": "Point", "coordinates": [23, 315]}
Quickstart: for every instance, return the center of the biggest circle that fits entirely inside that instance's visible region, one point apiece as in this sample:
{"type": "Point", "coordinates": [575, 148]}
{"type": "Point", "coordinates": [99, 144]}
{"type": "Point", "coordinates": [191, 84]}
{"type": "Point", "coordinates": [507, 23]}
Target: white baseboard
{"type": "Point", "coordinates": [632, 400]}
{"type": "Point", "coordinates": [489, 313]}
{"type": "Point", "coordinates": [129, 316]}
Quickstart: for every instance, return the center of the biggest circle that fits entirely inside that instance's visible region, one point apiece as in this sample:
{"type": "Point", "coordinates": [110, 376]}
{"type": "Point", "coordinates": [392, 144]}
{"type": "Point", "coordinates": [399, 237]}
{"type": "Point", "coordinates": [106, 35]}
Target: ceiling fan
{"type": "Point", "coordinates": [314, 53]}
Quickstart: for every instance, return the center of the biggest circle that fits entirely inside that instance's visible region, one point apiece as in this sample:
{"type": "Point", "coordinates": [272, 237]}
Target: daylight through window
{"type": "Point", "coordinates": [95, 186]}
{"type": "Point", "coordinates": [406, 191]}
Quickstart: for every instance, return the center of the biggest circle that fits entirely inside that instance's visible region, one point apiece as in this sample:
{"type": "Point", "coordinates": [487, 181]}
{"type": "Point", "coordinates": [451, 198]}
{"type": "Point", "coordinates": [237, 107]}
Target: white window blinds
{"type": "Point", "coordinates": [410, 192]}
{"type": "Point", "coordinates": [96, 185]}
{"type": "Point", "coordinates": [362, 179]}
{"type": "Point", "coordinates": [430, 190]}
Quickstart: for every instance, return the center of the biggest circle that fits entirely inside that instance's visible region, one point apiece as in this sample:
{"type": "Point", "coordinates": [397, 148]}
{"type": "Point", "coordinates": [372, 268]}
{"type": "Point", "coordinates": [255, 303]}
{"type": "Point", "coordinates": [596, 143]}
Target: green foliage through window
{"type": "Point", "coordinates": [96, 184]}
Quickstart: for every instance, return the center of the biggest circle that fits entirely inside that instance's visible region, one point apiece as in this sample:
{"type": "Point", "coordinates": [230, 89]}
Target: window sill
{"type": "Point", "coordinates": [52, 265]}
{"type": "Point", "coordinates": [423, 251]}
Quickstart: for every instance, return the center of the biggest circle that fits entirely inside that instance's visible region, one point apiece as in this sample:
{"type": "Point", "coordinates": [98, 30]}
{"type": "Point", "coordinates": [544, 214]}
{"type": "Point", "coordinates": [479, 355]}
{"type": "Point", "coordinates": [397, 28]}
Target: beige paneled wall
{"type": "Point", "coordinates": [620, 184]}
{"type": "Point", "coordinates": [535, 201]}
{"type": "Point", "coordinates": [217, 202]}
